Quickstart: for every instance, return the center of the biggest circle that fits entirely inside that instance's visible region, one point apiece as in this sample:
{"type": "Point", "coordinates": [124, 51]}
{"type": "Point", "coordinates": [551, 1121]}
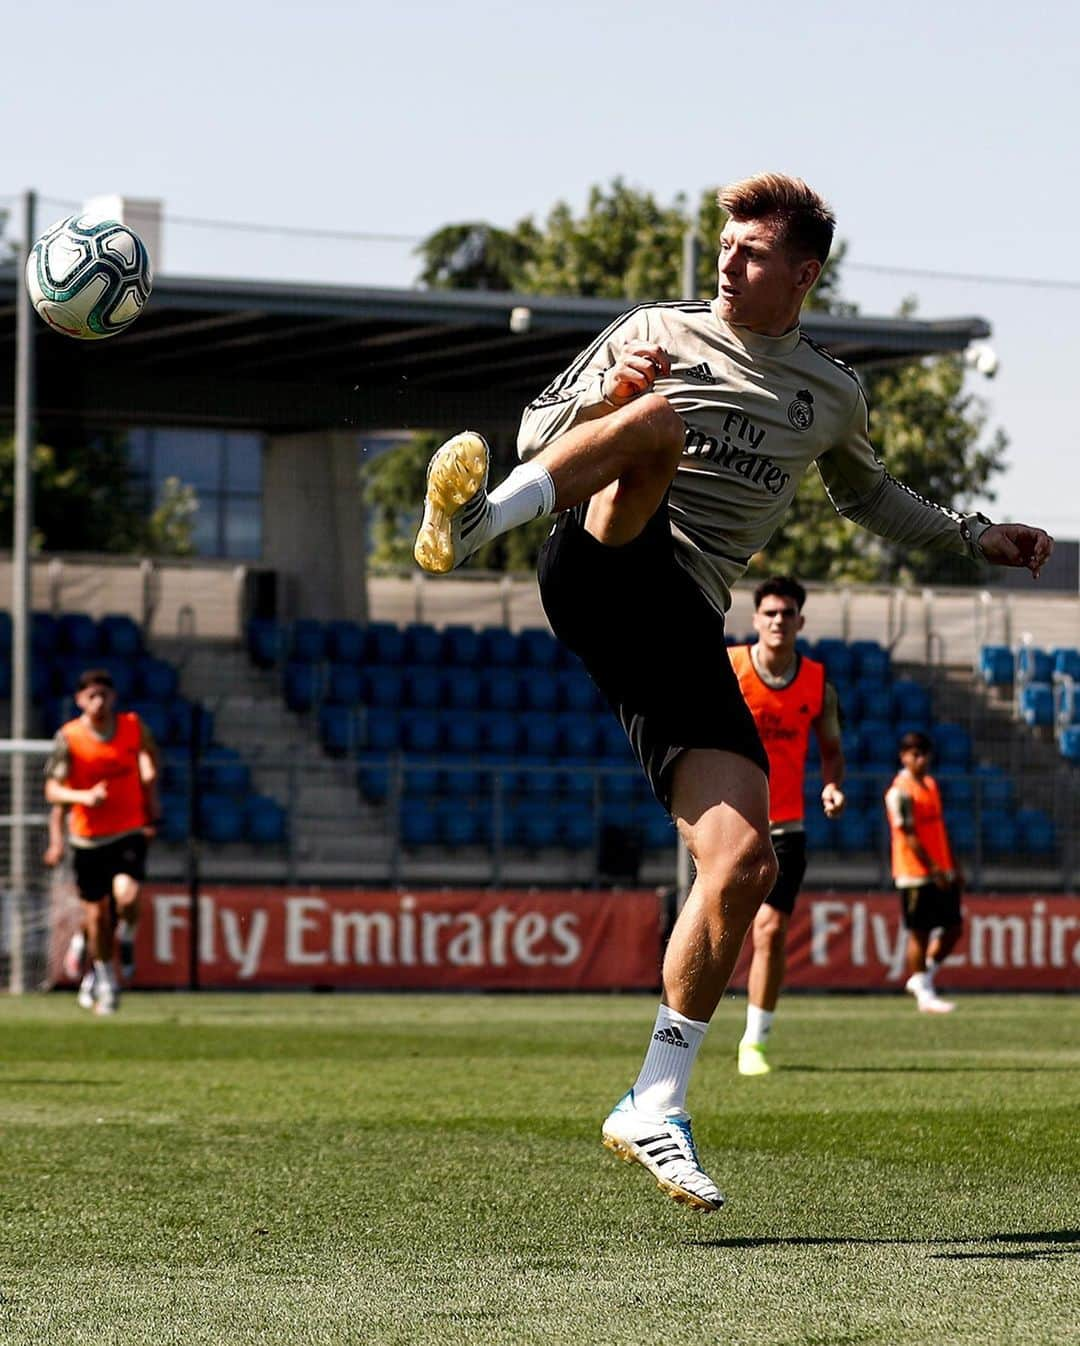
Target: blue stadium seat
{"type": "Point", "coordinates": [1069, 744]}
{"type": "Point", "coordinates": [337, 729]}
{"type": "Point", "coordinates": [462, 733]}
{"type": "Point", "coordinates": [79, 635]}
{"type": "Point", "coordinates": [1037, 705]}
{"type": "Point", "coordinates": [877, 744]}
{"type": "Point", "coordinates": [265, 821]}
{"type": "Point", "coordinates": [123, 675]}
{"type": "Point", "coordinates": [421, 731]}
{"type": "Point", "coordinates": [856, 830]}
{"type": "Point", "coordinates": [579, 780]}
{"type": "Point", "coordinates": [384, 686]}
{"type": "Point", "coordinates": [874, 700]}
{"type": "Point", "coordinates": [345, 642]}
{"type": "Point", "coordinates": [960, 824]}
{"type": "Point", "coordinates": [1036, 833]}
{"type": "Point", "coordinates": [576, 825]}
{"type": "Point", "coordinates": [996, 665]}
{"type": "Point", "coordinates": [871, 660]}
{"type": "Point", "coordinates": [952, 745]}
{"type": "Point", "coordinates": [910, 701]}
{"type": "Point", "coordinates": [461, 646]}
{"type": "Point", "coordinates": [535, 827]}
{"type": "Point", "coordinates": [1066, 661]}
{"type": "Point", "coordinates": [302, 683]}
{"type": "Point", "coordinates": [462, 778]}
{"type": "Point", "coordinates": [419, 824]}
{"type": "Point", "coordinates": [221, 818]}
{"type": "Point", "coordinates": [155, 716]}
{"type": "Point", "coordinates": [461, 688]}
{"type": "Point", "coordinates": [385, 644]}
{"type": "Point", "coordinates": [836, 655]}
{"type": "Point", "coordinates": [155, 680]}
{"type": "Point", "coordinates": [173, 823]}
{"type": "Point", "coordinates": [344, 685]}
{"type": "Point", "coordinates": [501, 732]}
{"type": "Point", "coordinates": [999, 835]}
{"type": "Point", "coordinates": [265, 641]}
{"type": "Point", "coordinates": [423, 644]}
{"type": "Point", "coordinates": [421, 778]}
{"type": "Point", "coordinates": [539, 691]}
{"type": "Point", "coordinates": [382, 729]}
{"type": "Point", "coordinates": [577, 734]}
{"type": "Point", "coordinates": [540, 734]}
{"type": "Point", "coordinates": [455, 824]}
{"type": "Point", "coordinates": [538, 648]}
{"type": "Point", "coordinates": [821, 834]}
{"type": "Point", "coordinates": [182, 717]}
{"type": "Point", "coordinates": [120, 636]}
{"type": "Point", "coordinates": [44, 633]}
{"type": "Point", "coordinates": [612, 743]}
{"type": "Point", "coordinates": [498, 647]}
{"type": "Point", "coordinates": [1033, 664]}
{"type": "Point", "coordinates": [374, 777]}
{"type": "Point", "coordinates": [423, 687]}
{"type": "Point", "coordinates": [619, 786]}
{"type": "Point", "coordinates": [655, 828]}
{"type": "Point", "coordinates": [223, 772]}
{"type": "Point", "coordinates": [540, 783]}
{"type": "Point", "coordinates": [500, 688]}
{"type": "Point", "coordinates": [577, 691]}
{"type": "Point", "coordinates": [957, 786]}
{"type": "Point", "coordinates": [307, 644]}
{"type": "Point", "coordinates": [995, 788]}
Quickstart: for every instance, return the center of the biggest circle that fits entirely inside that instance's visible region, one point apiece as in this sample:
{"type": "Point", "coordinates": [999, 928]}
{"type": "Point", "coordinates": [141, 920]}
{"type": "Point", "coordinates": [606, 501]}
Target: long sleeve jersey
{"type": "Point", "coordinates": [758, 410]}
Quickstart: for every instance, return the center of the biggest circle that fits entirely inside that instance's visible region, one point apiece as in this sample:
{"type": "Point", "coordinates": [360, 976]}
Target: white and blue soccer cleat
{"type": "Point", "coordinates": [665, 1146]}
{"type": "Point", "coordinates": [455, 504]}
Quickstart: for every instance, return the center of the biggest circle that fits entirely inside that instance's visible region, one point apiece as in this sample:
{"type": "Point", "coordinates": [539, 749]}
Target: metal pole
{"type": "Point", "coordinates": [194, 844]}
{"type": "Point", "coordinates": [691, 252]}
{"type": "Point", "coordinates": [20, 595]}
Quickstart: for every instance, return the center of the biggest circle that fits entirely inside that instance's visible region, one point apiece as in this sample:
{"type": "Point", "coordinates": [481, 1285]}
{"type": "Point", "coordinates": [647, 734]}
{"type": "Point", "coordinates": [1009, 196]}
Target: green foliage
{"type": "Point", "coordinates": [85, 500]}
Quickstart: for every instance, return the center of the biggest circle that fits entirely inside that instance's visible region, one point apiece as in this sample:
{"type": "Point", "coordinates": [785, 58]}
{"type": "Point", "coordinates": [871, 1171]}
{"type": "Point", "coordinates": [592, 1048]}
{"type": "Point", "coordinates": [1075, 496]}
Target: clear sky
{"type": "Point", "coordinates": [945, 136]}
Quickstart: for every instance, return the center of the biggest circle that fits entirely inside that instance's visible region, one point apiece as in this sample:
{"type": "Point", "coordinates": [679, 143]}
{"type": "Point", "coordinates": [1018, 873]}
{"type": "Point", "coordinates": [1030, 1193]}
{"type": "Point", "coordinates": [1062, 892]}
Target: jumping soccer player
{"type": "Point", "coordinates": [670, 450]}
{"type": "Point", "coordinates": [789, 697]}
{"type": "Point", "coordinates": [924, 872]}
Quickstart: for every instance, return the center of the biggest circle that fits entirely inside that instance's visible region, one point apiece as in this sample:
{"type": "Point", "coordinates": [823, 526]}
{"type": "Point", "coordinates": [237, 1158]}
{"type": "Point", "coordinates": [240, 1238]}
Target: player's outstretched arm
{"type": "Point", "coordinates": [1017, 544]}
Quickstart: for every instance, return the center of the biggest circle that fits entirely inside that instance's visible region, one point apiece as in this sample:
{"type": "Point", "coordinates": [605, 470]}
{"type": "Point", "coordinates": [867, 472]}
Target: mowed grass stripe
{"type": "Point", "coordinates": [392, 1168]}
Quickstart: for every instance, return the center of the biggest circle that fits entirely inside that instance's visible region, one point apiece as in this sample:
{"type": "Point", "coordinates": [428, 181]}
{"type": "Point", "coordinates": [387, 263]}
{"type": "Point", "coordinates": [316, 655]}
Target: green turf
{"type": "Point", "coordinates": [411, 1169]}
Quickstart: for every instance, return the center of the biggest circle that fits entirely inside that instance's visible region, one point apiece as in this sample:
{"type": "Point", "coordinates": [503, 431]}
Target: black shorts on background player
{"type": "Point", "coordinates": [97, 866]}
{"type": "Point", "coordinates": [651, 641]}
{"type": "Point", "coordinates": [929, 906]}
{"type": "Point", "coordinates": [790, 848]}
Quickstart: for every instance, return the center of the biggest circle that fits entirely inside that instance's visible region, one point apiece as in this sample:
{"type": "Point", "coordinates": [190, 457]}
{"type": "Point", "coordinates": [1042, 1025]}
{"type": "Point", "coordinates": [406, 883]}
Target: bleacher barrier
{"type": "Point", "coordinates": [31, 893]}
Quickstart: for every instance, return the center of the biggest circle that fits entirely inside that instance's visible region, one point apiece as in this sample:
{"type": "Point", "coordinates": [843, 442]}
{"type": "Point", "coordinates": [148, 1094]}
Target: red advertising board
{"type": "Point", "coordinates": [455, 940]}
{"type": "Point", "coordinates": [1013, 942]}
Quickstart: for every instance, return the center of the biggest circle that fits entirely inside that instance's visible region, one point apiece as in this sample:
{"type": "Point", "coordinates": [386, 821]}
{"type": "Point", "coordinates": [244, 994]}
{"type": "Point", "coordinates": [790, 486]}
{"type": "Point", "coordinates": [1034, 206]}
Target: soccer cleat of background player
{"type": "Point", "coordinates": [665, 1146]}
{"type": "Point", "coordinates": [924, 872]}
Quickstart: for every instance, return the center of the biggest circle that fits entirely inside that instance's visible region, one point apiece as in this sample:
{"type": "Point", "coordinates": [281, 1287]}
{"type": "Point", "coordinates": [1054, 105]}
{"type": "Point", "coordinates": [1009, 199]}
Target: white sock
{"type": "Point", "coordinates": [932, 966]}
{"type": "Point", "coordinates": [661, 1085]}
{"type": "Point", "coordinates": [77, 944]}
{"type": "Point", "coordinates": [527, 493]}
{"type": "Point", "coordinates": [758, 1024]}
{"type": "Point", "coordinates": [88, 981]}
{"type": "Point", "coordinates": [104, 971]}
{"type": "Point", "coordinates": [917, 983]}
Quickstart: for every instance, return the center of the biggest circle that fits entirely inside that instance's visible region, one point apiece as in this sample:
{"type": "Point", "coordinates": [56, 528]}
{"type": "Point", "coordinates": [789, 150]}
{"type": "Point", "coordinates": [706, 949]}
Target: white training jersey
{"type": "Point", "coordinates": [759, 410]}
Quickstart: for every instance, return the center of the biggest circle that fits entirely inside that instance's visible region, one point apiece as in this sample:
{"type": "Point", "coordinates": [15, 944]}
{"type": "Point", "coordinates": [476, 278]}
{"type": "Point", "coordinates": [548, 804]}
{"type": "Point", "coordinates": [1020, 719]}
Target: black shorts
{"type": "Point", "coordinates": [790, 848]}
{"type": "Point", "coordinates": [930, 905]}
{"type": "Point", "coordinates": [652, 642]}
{"type": "Point", "coordinates": [97, 866]}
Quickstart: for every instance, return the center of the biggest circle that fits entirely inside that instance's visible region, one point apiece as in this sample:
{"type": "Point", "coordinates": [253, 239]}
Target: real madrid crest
{"type": "Point", "coordinates": [801, 411]}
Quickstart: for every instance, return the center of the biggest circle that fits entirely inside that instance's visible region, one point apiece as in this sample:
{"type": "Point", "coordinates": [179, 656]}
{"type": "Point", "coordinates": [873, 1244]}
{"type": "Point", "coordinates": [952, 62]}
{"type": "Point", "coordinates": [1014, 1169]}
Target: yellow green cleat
{"type": "Point", "coordinates": [752, 1059]}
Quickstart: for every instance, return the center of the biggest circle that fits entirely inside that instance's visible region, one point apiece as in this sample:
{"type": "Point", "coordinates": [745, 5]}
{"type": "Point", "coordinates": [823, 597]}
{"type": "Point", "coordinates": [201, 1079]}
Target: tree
{"type": "Point", "coordinates": [85, 500]}
{"type": "Point", "coordinates": [928, 430]}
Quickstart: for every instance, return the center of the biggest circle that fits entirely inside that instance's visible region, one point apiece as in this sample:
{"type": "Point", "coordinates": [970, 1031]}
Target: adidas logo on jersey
{"type": "Point", "coordinates": [671, 1037]}
{"type": "Point", "coordinates": [699, 374]}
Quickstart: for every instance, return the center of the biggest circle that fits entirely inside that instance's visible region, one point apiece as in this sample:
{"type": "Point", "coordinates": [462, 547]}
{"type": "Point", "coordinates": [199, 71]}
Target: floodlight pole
{"type": "Point", "coordinates": [25, 417]}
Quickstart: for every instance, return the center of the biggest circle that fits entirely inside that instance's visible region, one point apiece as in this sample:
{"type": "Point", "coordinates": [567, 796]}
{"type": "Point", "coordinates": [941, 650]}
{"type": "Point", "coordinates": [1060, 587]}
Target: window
{"type": "Point", "coordinates": [225, 469]}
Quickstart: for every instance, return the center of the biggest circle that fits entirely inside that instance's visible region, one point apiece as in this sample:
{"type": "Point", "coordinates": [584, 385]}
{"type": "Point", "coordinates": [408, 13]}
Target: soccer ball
{"type": "Point", "coordinates": [88, 278]}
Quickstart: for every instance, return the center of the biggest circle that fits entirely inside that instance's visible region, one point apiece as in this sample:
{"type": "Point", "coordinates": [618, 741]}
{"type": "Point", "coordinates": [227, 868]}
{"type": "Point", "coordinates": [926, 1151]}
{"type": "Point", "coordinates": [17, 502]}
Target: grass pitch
{"type": "Point", "coordinates": [414, 1169]}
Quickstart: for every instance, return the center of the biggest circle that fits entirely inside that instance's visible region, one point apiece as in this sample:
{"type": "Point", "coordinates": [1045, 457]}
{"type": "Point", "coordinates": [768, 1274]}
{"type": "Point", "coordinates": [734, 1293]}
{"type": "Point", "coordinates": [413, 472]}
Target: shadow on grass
{"type": "Point", "coordinates": [64, 1084]}
{"type": "Point", "coordinates": [1068, 1241]}
{"type": "Point", "coordinates": [926, 1070]}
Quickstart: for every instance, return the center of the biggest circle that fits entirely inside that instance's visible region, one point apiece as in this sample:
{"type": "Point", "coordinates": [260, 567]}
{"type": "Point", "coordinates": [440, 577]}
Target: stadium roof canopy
{"type": "Point", "coordinates": [280, 356]}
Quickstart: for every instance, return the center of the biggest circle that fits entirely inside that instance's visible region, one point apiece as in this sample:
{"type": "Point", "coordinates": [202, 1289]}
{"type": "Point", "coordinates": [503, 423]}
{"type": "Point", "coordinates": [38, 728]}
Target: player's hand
{"type": "Point", "coordinates": [54, 853]}
{"type": "Point", "coordinates": [634, 372]}
{"type": "Point", "coordinates": [1017, 544]}
{"type": "Point", "coordinates": [95, 795]}
{"type": "Point", "coordinates": [832, 801]}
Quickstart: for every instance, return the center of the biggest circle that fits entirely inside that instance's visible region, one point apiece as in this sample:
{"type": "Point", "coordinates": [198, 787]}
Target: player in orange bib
{"type": "Point", "coordinates": [789, 697]}
{"type": "Point", "coordinates": [103, 769]}
{"type": "Point", "coordinates": [924, 871]}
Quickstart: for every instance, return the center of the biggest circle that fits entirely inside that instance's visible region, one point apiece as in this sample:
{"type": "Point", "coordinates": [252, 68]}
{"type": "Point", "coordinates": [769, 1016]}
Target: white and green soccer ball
{"type": "Point", "coordinates": [89, 278]}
